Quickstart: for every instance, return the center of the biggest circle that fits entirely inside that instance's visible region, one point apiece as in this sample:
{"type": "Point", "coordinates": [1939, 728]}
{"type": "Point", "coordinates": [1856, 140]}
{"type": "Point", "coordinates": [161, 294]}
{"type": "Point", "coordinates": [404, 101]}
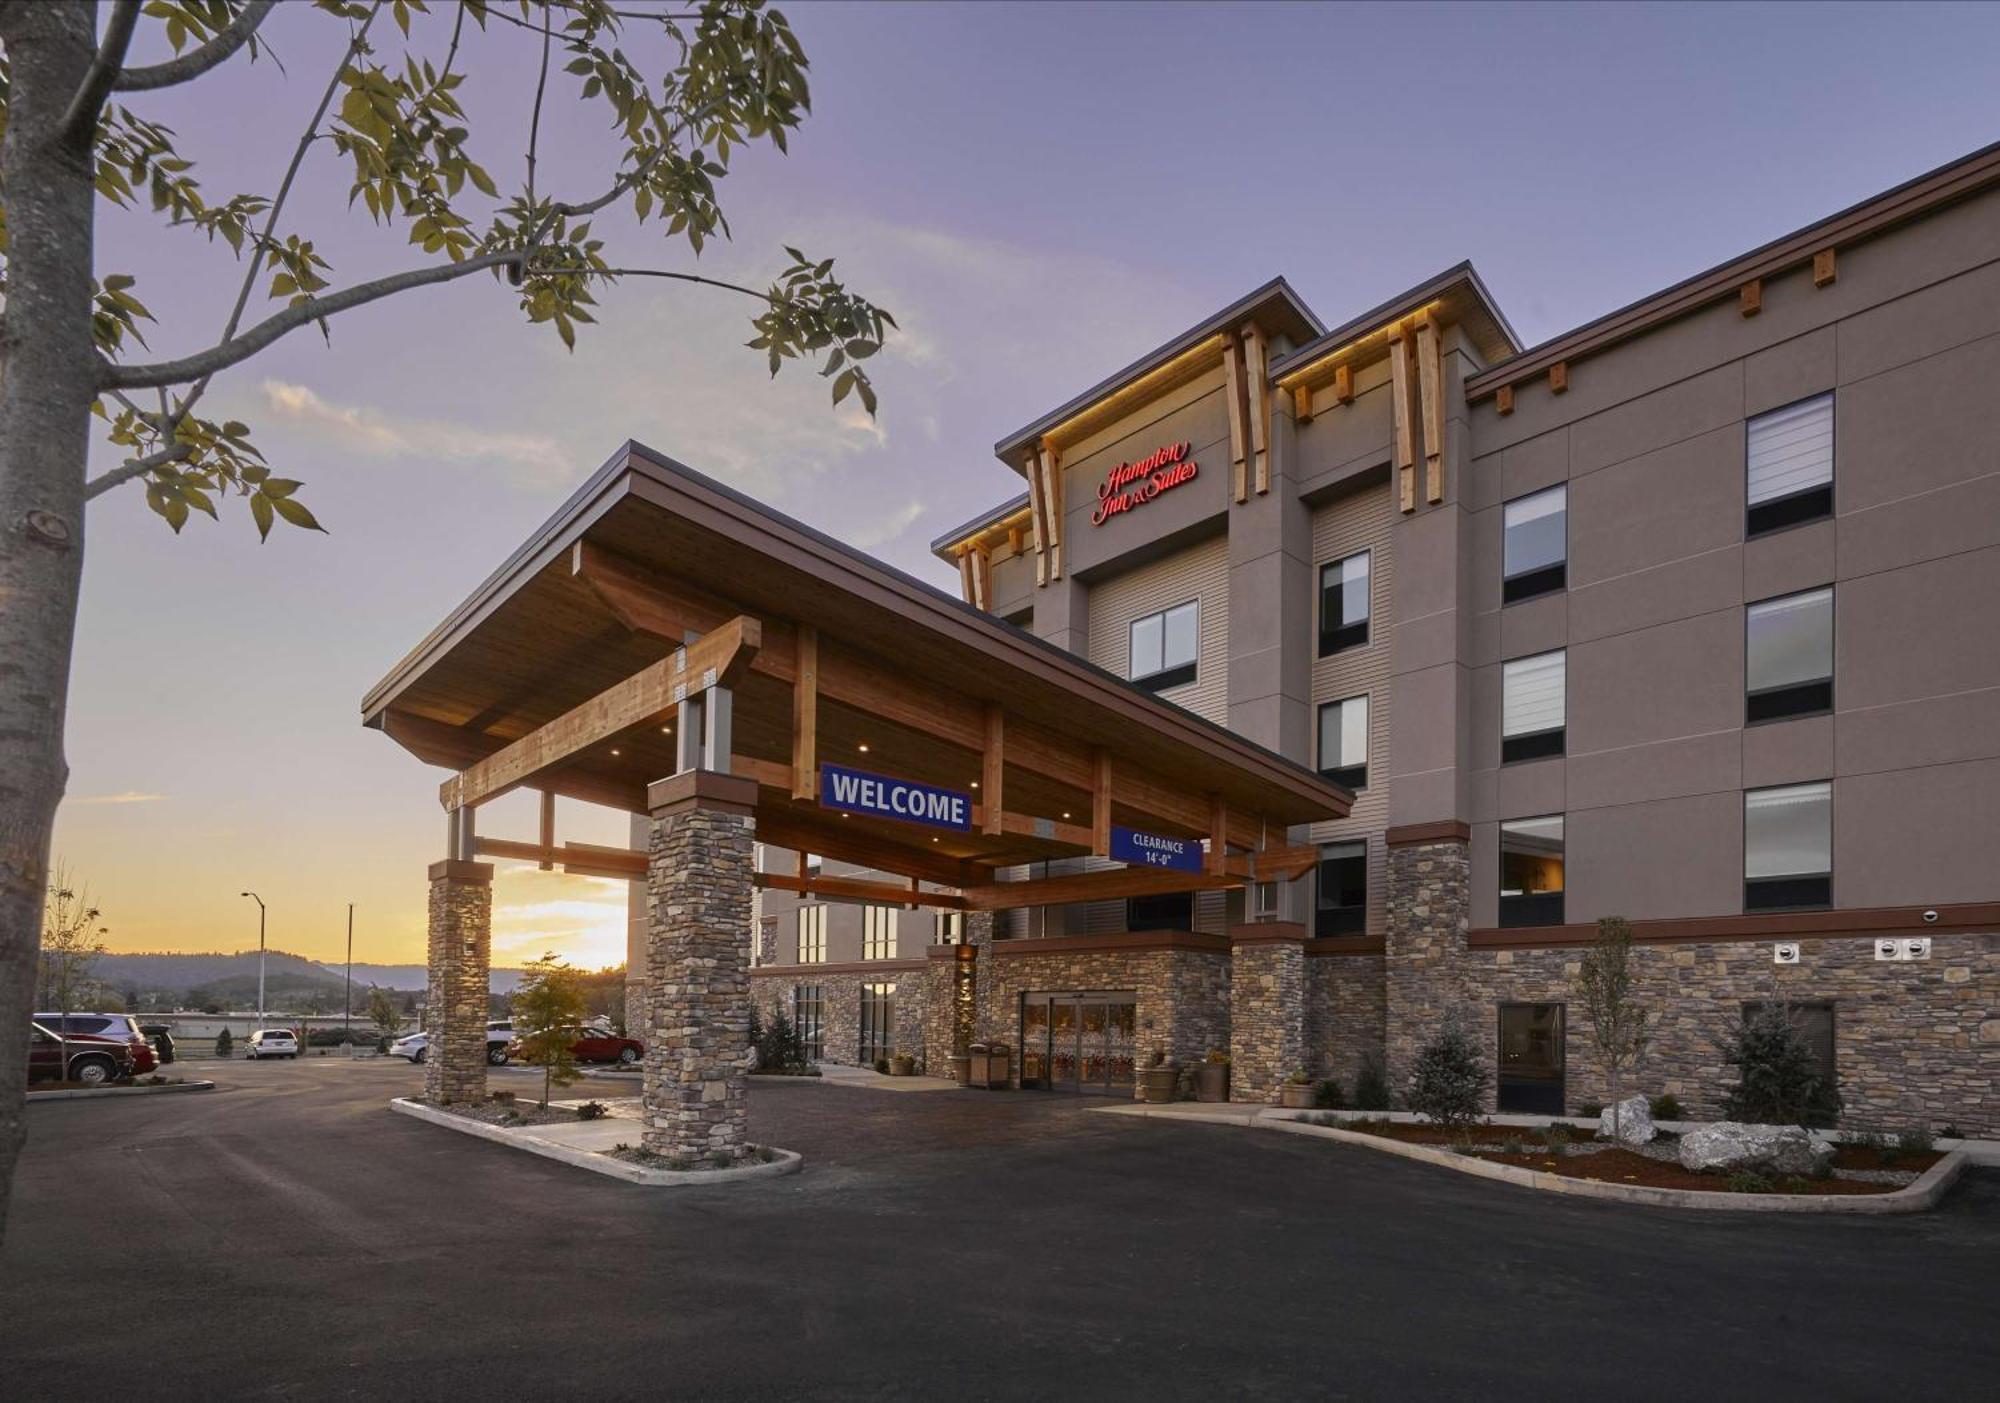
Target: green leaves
{"type": "Point", "coordinates": [116, 313]}
{"type": "Point", "coordinates": [811, 313]}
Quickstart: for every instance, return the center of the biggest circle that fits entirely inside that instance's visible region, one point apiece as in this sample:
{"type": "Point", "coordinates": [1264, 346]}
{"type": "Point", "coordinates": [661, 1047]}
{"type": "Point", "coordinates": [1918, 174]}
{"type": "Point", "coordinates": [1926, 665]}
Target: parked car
{"type": "Point", "coordinates": [121, 1027]}
{"type": "Point", "coordinates": [597, 1045]}
{"type": "Point", "coordinates": [499, 1039]}
{"type": "Point", "coordinates": [162, 1039]}
{"type": "Point", "coordinates": [92, 1059]}
{"type": "Point", "coordinates": [271, 1042]}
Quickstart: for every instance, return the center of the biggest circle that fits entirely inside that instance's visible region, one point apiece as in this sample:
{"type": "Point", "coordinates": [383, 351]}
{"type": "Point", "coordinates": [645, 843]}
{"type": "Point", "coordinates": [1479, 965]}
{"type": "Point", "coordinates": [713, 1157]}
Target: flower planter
{"type": "Point", "coordinates": [902, 1065]}
{"type": "Point", "coordinates": [1211, 1081]}
{"type": "Point", "coordinates": [1158, 1083]}
{"type": "Point", "coordinates": [1296, 1096]}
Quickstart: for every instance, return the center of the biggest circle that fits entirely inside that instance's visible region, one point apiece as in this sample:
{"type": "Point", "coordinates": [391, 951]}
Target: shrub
{"type": "Point", "coordinates": [1301, 1077]}
{"type": "Point", "coordinates": [592, 1110]}
{"type": "Point", "coordinates": [1869, 1139]}
{"type": "Point", "coordinates": [1217, 1057]}
{"type": "Point", "coordinates": [1778, 1077]}
{"type": "Point", "coordinates": [1667, 1107]}
{"type": "Point", "coordinates": [782, 1050]}
{"type": "Point", "coordinates": [1949, 1131]}
{"type": "Point", "coordinates": [1329, 1094]}
{"type": "Point", "coordinates": [1917, 1140]}
{"type": "Point", "coordinates": [1797, 1185]}
{"type": "Point", "coordinates": [882, 1065]}
{"type": "Point", "coordinates": [503, 1098]}
{"type": "Point", "coordinates": [1513, 1145]}
{"type": "Point", "coordinates": [225, 1044]}
{"type": "Point", "coordinates": [756, 1029]}
{"type": "Point", "coordinates": [1748, 1181]}
{"type": "Point", "coordinates": [1448, 1082]}
{"type": "Point", "coordinates": [1555, 1139]}
{"type": "Point", "coordinates": [1371, 1085]}
{"type": "Point", "coordinates": [1590, 1110]}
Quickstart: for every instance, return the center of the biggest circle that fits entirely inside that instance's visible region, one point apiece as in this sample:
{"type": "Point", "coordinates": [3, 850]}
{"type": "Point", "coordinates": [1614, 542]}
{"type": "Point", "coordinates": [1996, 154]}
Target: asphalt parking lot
{"type": "Point", "coordinates": [286, 1236]}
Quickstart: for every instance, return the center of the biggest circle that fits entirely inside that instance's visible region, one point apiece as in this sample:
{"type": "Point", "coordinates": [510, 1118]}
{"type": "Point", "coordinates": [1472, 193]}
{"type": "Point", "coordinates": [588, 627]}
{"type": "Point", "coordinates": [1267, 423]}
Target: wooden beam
{"type": "Point", "coordinates": [860, 889]}
{"type": "Point", "coordinates": [1430, 386]}
{"type": "Point", "coordinates": [1256, 364]}
{"type": "Point", "coordinates": [1232, 376]}
{"type": "Point", "coordinates": [1107, 885]}
{"type": "Point", "coordinates": [1343, 384]}
{"type": "Point", "coordinates": [586, 859]}
{"type": "Point", "coordinates": [1503, 400]}
{"type": "Point", "coordinates": [646, 695]}
{"type": "Point", "coordinates": [805, 714]}
{"type": "Point", "coordinates": [1275, 864]}
{"type": "Point", "coordinates": [1824, 270]}
{"type": "Point", "coordinates": [1399, 391]}
{"type": "Point", "coordinates": [1302, 403]}
{"type": "Point", "coordinates": [1216, 860]}
{"type": "Point", "coordinates": [966, 589]}
{"type": "Point", "coordinates": [1100, 803]}
{"type": "Point", "coordinates": [1037, 516]}
{"type": "Point", "coordinates": [1750, 297]}
{"type": "Point", "coordinates": [548, 825]}
{"type": "Point", "coordinates": [807, 830]}
{"type": "Point", "coordinates": [993, 769]}
{"type": "Point", "coordinates": [982, 577]}
{"type": "Point", "coordinates": [1052, 505]}
{"type": "Point", "coordinates": [1559, 378]}
{"type": "Point", "coordinates": [632, 596]}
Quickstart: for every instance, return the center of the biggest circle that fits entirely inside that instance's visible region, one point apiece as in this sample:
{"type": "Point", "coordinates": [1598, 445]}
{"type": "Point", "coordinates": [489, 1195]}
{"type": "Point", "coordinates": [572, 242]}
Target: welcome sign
{"type": "Point", "coordinates": [1129, 845]}
{"type": "Point", "coordinates": [905, 800]}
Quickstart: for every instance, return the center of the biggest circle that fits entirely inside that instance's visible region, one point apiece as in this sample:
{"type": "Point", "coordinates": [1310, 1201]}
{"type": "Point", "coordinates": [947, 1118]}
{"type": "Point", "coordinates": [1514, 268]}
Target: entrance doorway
{"type": "Point", "coordinates": [1531, 1059]}
{"type": "Point", "coordinates": [1079, 1041]}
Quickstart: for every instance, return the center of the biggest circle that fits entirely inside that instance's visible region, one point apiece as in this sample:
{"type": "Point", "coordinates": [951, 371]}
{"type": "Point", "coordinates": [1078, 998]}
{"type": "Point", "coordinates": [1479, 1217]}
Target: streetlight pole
{"type": "Point", "coordinates": [260, 955]}
{"type": "Point", "coordinates": [346, 1032]}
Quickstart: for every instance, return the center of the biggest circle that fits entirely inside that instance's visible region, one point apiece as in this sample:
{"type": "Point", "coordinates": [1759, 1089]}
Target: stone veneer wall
{"type": "Point", "coordinates": [1267, 1022]}
{"type": "Point", "coordinates": [1346, 1002]}
{"type": "Point", "coordinates": [1430, 911]}
{"type": "Point", "coordinates": [460, 955]}
{"type": "Point", "coordinates": [1915, 1042]}
{"type": "Point", "coordinates": [840, 1004]}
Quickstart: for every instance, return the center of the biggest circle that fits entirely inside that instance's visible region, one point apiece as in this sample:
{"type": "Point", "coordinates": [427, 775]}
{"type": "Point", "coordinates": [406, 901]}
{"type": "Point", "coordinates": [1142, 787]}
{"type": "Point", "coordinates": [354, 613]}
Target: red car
{"type": "Point", "coordinates": [93, 1060]}
{"type": "Point", "coordinates": [594, 1045]}
{"type": "Point", "coordinates": [118, 1027]}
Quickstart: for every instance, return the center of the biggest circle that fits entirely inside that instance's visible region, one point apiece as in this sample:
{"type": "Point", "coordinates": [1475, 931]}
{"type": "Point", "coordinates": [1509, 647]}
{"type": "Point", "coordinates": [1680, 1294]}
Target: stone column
{"type": "Point", "coordinates": [956, 996]}
{"type": "Point", "coordinates": [1267, 1008]}
{"type": "Point", "coordinates": [698, 880]}
{"type": "Point", "coordinates": [1430, 911]}
{"type": "Point", "coordinates": [979, 926]}
{"type": "Point", "coordinates": [461, 950]}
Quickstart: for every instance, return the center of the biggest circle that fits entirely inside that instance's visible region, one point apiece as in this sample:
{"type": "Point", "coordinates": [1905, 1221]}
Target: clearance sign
{"type": "Point", "coordinates": [1132, 485]}
{"type": "Point", "coordinates": [879, 796]}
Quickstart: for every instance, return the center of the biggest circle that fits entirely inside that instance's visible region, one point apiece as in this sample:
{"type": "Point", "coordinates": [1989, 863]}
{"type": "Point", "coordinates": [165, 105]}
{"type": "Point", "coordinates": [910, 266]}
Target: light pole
{"type": "Point", "coordinates": [347, 1018]}
{"type": "Point", "coordinates": [260, 955]}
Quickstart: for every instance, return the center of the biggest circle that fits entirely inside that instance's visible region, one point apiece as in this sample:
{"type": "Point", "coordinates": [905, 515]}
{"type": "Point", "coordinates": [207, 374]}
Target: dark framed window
{"type": "Point", "coordinates": [1164, 647]}
{"type": "Point", "coordinates": [1816, 1022]}
{"type": "Point", "coordinates": [1343, 742]}
{"type": "Point", "coordinates": [950, 928]}
{"type": "Point", "coordinates": [878, 932]}
{"type": "Point", "coordinates": [1342, 905]}
{"type": "Point", "coordinates": [1170, 911]}
{"type": "Point", "coordinates": [1343, 604]}
{"type": "Point", "coordinates": [1533, 1059]}
{"type": "Point", "coordinates": [1533, 706]}
{"type": "Point", "coordinates": [1534, 551]}
{"type": "Point", "coordinates": [878, 1022]}
{"type": "Point", "coordinates": [1788, 466]}
{"type": "Point", "coordinates": [812, 934]}
{"type": "Point", "coordinates": [1788, 847]}
{"type": "Point", "coordinates": [1531, 871]}
{"type": "Point", "coordinates": [808, 1015]}
{"type": "Point", "coordinates": [1788, 656]}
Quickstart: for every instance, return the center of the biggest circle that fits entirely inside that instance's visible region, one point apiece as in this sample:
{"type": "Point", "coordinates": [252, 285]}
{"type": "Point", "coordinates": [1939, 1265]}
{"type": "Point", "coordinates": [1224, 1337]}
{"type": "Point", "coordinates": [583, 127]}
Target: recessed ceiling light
{"type": "Point", "coordinates": [666, 730]}
{"type": "Point", "coordinates": [863, 747]}
{"type": "Point", "coordinates": [616, 751]}
{"type": "Point", "coordinates": [975, 784]}
{"type": "Point", "coordinates": [1065, 813]}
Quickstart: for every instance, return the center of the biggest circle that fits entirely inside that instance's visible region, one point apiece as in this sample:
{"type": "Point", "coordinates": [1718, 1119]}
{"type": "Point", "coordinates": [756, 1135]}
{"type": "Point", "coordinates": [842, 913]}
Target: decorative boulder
{"type": "Point", "coordinates": [1634, 1121]}
{"type": "Point", "coordinates": [1728, 1146]}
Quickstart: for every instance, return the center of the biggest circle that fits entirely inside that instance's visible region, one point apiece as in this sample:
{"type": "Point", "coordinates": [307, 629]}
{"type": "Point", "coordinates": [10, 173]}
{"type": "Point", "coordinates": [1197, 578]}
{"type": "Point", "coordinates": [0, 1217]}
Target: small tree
{"type": "Point", "coordinates": [756, 1035]}
{"type": "Point", "coordinates": [549, 1005]}
{"type": "Point", "coordinates": [72, 941]}
{"type": "Point", "coordinates": [1448, 1081]}
{"type": "Point", "coordinates": [781, 1048]}
{"type": "Point", "coordinates": [1371, 1084]}
{"type": "Point", "coordinates": [1779, 1081]}
{"type": "Point", "coordinates": [225, 1044]}
{"type": "Point", "coordinates": [383, 1013]}
{"type": "Point", "coordinates": [1618, 1022]}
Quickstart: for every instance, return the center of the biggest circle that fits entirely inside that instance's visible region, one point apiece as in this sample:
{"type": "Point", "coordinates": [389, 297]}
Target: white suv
{"type": "Point", "coordinates": [499, 1033]}
{"type": "Point", "coordinates": [271, 1042]}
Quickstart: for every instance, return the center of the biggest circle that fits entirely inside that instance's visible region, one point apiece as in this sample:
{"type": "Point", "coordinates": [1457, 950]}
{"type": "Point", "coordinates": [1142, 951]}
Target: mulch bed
{"type": "Point", "coordinates": [512, 1116]}
{"type": "Point", "coordinates": [1613, 1166]}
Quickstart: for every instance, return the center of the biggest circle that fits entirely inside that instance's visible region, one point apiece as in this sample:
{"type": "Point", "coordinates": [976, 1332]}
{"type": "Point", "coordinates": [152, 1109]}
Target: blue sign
{"type": "Point", "coordinates": [882, 797]}
{"type": "Point", "coordinates": [1129, 845]}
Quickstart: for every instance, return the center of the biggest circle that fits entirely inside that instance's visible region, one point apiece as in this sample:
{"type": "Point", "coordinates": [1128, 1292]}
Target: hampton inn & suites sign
{"type": "Point", "coordinates": [1134, 484]}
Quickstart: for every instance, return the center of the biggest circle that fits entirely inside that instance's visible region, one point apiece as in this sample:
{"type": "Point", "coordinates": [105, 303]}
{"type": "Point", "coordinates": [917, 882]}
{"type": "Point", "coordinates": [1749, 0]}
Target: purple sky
{"type": "Point", "coordinates": [1040, 194]}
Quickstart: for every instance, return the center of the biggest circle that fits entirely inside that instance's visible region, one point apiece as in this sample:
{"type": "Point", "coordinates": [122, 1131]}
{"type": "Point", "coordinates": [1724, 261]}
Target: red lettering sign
{"type": "Point", "coordinates": [1134, 484]}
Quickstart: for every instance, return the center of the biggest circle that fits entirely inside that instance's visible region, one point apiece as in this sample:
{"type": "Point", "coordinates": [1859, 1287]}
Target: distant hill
{"type": "Point", "coordinates": [287, 977]}
{"type": "Point", "coordinates": [410, 978]}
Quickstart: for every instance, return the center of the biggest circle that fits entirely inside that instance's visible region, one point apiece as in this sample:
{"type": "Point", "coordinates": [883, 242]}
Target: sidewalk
{"type": "Point", "coordinates": [871, 1080]}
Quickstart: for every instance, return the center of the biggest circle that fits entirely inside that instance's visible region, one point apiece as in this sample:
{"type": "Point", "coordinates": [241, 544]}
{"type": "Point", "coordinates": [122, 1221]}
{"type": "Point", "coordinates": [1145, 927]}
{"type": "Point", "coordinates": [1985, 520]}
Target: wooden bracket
{"type": "Point", "coordinates": [1052, 506]}
{"type": "Point", "coordinates": [1750, 297]}
{"type": "Point", "coordinates": [1559, 377]}
{"type": "Point", "coordinates": [1256, 363]}
{"type": "Point", "coordinates": [1824, 271]}
{"type": "Point", "coordinates": [1399, 393]}
{"type": "Point", "coordinates": [1343, 384]}
{"type": "Point", "coordinates": [1302, 404]}
{"type": "Point", "coordinates": [805, 716]}
{"type": "Point", "coordinates": [1503, 400]}
{"type": "Point", "coordinates": [1232, 366]}
{"type": "Point", "coordinates": [1430, 382]}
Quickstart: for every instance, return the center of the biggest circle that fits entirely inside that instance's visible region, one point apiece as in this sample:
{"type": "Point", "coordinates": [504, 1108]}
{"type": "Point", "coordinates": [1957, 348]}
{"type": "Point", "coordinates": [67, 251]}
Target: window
{"type": "Point", "coordinates": [1533, 706]}
{"type": "Point", "coordinates": [1531, 871]}
{"type": "Point", "coordinates": [1343, 742]}
{"type": "Point", "coordinates": [950, 928]}
{"type": "Point", "coordinates": [1815, 1022]}
{"type": "Point", "coordinates": [807, 1010]}
{"type": "Point", "coordinates": [1534, 553]}
{"type": "Point", "coordinates": [1788, 847]}
{"type": "Point", "coordinates": [878, 1022]}
{"type": "Point", "coordinates": [878, 933]}
{"type": "Point", "coordinates": [812, 935]}
{"type": "Point", "coordinates": [1788, 656]}
{"type": "Point", "coordinates": [1173, 911]}
{"type": "Point", "coordinates": [1343, 604]}
{"type": "Point", "coordinates": [1163, 647]}
{"type": "Point", "coordinates": [1343, 889]}
{"type": "Point", "coordinates": [1789, 466]}
{"type": "Point", "coordinates": [813, 864]}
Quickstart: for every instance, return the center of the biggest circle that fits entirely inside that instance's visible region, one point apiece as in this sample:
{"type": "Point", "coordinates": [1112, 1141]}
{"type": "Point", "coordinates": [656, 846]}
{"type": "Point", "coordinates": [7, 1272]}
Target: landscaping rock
{"type": "Point", "coordinates": [1773, 1149]}
{"type": "Point", "coordinates": [1634, 1120]}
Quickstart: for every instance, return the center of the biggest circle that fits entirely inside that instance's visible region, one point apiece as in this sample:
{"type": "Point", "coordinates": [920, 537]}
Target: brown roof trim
{"type": "Point", "coordinates": [1401, 305]}
{"type": "Point", "coordinates": [1442, 830]}
{"type": "Point", "coordinates": [1267, 933]}
{"type": "Point", "coordinates": [904, 966]}
{"type": "Point", "coordinates": [1346, 945]}
{"type": "Point", "coordinates": [1854, 923]}
{"type": "Point", "coordinates": [1123, 942]}
{"type": "Point", "coordinates": [1928, 192]}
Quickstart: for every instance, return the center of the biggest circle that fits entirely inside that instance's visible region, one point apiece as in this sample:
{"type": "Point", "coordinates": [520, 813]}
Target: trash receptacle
{"type": "Point", "coordinates": [997, 1058]}
{"type": "Point", "coordinates": [961, 1068]}
{"type": "Point", "coordinates": [979, 1056]}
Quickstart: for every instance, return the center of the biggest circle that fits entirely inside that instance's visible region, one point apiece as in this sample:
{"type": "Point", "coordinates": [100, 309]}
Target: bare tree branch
{"type": "Point", "coordinates": [197, 61]}
{"type": "Point", "coordinates": [235, 349]}
{"type": "Point", "coordinates": [136, 467]}
{"type": "Point", "coordinates": [80, 121]}
{"type": "Point", "coordinates": [535, 122]}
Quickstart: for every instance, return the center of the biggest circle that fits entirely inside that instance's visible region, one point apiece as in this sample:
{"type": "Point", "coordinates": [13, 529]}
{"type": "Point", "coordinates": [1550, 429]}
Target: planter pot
{"type": "Point", "coordinates": [1211, 1081]}
{"type": "Point", "coordinates": [1294, 1097]}
{"type": "Point", "coordinates": [902, 1065]}
{"type": "Point", "coordinates": [1158, 1083]}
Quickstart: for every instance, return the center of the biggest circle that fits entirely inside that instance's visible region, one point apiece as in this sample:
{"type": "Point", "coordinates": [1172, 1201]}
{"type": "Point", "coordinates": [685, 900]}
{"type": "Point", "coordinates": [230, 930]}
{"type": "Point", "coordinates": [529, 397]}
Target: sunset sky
{"type": "Point", "coordinates": [1039, 194]}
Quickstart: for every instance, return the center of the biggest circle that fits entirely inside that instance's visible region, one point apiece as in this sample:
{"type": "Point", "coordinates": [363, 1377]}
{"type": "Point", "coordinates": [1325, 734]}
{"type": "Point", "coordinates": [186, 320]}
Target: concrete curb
{"type": "Point", "coordinates": [787, 1162]}
{"type": "Point", "coordinates": [1923, 1194]}
{"type": "Point", "coordinates": [91, 1093]}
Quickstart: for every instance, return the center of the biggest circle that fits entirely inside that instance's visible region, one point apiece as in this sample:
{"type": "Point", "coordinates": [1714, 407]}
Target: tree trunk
{"type": "Point", "coordinates": [47, 382]}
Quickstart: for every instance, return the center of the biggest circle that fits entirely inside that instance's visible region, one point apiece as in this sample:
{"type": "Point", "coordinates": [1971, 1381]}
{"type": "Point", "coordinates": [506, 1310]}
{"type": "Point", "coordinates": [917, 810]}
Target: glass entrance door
{"type": "Point", "coordinates": [1079, 1042]}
